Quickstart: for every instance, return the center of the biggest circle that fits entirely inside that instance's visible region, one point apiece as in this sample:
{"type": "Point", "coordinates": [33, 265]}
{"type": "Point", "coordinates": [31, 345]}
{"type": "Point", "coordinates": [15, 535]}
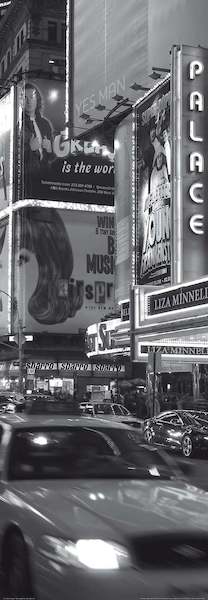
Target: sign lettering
{"type": "Point", "coordinates": [178, 298]}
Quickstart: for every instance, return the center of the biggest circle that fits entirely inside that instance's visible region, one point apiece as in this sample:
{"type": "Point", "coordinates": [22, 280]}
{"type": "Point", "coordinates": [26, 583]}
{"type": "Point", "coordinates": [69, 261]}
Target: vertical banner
{"type": "Point", "coordinates": [4, 276]}
{"type": "Point", "coordinates": [6, 149]}
{"type": "Point", "coordinates": [123, 183]}
{"type": "Point", "coordinates": [190, 159]}
{"type": "Point", "coordinates": [63, 268]}
{"type": "Point", "coordinates": [152, 187]}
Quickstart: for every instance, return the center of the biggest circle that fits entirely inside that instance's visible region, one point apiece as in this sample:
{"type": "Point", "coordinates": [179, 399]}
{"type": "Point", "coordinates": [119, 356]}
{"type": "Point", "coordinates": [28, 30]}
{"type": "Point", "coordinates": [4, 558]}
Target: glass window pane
{"type": "Point", "coordinates": [52, 31]}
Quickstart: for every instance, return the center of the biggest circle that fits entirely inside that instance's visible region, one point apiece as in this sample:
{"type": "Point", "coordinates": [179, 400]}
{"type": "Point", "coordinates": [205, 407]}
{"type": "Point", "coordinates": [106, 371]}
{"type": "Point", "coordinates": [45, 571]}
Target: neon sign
{"type": "Point", "coordinates": [196, 159]}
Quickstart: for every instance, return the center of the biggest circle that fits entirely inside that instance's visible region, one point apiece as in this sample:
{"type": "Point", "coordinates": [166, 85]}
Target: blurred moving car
{"type": "Point", "coordinates": [10, 407]}
{"type": "Point", "coordinates": [3, 405]}
{"type": "Point", "coordinates": [117, 412]}
{"type": "Point", "coordinates": [178, 430]}
{"type": "Point", "coordinates": [46, 406]}
{"type": "Point", "coordinates": [85, 505]}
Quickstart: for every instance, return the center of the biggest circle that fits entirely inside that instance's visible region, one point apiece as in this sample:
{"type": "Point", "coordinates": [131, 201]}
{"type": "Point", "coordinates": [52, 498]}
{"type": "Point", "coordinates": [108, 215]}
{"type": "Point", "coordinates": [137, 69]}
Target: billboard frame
{"type": "Point", "coordinates": [146, 97]}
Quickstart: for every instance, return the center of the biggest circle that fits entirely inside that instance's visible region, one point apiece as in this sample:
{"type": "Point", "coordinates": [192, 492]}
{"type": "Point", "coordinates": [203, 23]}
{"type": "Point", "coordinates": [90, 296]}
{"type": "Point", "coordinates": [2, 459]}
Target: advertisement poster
{"type": "Point", "coordinates": [153, 229]}
{"type": "Point", "coordinates": [64, 268]}
{"type": "Point", "coordinates": [50, 165]}
{"type": "Point", "coordinates": [4, 277]}
{"type": "Point", "coordinates": [6, 119]}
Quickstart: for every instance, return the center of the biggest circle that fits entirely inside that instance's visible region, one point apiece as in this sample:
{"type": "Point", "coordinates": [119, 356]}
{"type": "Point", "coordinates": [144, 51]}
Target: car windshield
{"type": "Point", "coordinates": [199, 419]}
{"type": "Point", "coordinates": [125, 411]}
{"type": "Point", "coordinates": [191, 419]}
{"type": "Point", "coordinates": [85, 452]}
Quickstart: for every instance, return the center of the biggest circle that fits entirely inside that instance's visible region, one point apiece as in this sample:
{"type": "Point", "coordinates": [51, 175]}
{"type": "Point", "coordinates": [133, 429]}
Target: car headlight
{"type": "Point", "coordinates": [93, 554]}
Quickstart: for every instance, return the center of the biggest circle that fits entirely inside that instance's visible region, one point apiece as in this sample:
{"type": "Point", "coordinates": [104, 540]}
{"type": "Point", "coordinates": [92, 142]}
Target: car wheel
{"type": "Point", "coordinates": [16, 568]}
{"type": "Point", "coordinates": [148, 436]}
{"type": "Point", "coordinates": [187, 446]}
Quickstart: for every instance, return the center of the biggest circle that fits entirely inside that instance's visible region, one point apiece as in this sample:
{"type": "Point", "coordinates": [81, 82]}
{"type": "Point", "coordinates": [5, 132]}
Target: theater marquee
{"type": "Point", "coordinates": [178, 298]}
{"type": "Point", "coordinates": [189, 163]}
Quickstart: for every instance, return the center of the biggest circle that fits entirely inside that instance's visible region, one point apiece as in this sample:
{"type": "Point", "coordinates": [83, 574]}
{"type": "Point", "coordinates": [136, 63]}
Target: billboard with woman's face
{"type": "Point", "coordinates": [63, 268]}
{"type": "Point", "coordinates": [50, 165]}
{"type": "Point", "coordinates": [152, 188]}
{"type": "Point", "coordinates": [4, 274]}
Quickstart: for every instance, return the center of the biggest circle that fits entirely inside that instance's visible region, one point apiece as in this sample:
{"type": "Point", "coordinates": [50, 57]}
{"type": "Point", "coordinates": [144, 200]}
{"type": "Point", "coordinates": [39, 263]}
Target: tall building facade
{"type": "Point", "coordinates": [56, 210]}
{"type": "Point", "coordinates": [32, 37]}
{"type": "Point", "coordinates": [55, 176]}
{"type": "Point", "coordinates": [127, 66]}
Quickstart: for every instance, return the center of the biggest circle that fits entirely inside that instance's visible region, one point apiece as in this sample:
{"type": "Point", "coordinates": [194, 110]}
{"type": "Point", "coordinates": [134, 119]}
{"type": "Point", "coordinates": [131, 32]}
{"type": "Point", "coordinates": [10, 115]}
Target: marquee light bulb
{"type": "Point", "coordinates": [105, 152]}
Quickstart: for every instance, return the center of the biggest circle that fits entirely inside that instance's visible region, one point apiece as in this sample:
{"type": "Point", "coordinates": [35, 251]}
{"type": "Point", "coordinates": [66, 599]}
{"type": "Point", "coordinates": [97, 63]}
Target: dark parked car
{"type": "Point", "coordinates": [178, 430]}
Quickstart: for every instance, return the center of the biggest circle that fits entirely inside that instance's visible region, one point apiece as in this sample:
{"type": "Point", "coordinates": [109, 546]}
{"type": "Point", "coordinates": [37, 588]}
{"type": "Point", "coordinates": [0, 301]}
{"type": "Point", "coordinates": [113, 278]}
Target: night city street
{"type": "Point", "coordinates": [103, 299]}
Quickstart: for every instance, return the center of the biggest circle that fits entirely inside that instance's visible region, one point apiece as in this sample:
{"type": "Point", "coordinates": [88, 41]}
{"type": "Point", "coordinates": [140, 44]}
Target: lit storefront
{"type": "Point", "coordinates": [102, 345]}
{"type": "Point", "coordinates": [71, 376]}
{"type": "Point", "coordinates": [172, 322]}
{"type": "Point", "coordinates": [62, 376]}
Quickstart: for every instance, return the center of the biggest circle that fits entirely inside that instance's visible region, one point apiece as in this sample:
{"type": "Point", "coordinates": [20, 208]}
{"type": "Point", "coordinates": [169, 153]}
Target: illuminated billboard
{"type": "Point", "coordinates": [190, 156]}
{"type": "Point", "coordinates": [6, 149]}
{"type": "Point", "coordinates": [50, 166]}
{"type": "Point", "coordinates": [152, 206]}
{"type": "Point", "coordinates": [64, 268]}
{"type": "Point", "coordinates": [100, 337]}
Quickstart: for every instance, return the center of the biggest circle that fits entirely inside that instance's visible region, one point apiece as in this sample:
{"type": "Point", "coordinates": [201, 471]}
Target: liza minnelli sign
{"type": "Point", "coordinates": [152, 170]}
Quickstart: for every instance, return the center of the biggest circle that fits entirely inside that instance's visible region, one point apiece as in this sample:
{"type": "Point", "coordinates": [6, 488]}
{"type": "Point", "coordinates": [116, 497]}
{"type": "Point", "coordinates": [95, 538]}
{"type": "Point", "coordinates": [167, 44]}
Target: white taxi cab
{"type": "Point", "coordinates": [88, 511]}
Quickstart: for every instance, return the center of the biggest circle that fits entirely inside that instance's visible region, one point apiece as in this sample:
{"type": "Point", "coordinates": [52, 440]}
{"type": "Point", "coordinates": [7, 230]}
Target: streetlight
{"type": "Point", "coordinates": [20, 340]}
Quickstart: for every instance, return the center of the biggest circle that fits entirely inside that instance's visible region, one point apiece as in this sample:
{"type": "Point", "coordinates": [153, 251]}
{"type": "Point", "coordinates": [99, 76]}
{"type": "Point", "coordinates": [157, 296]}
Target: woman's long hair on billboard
{"type": "Point", "coordinates": [55, 297]}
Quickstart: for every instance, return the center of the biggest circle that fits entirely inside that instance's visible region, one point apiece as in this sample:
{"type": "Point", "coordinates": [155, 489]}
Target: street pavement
{"type": "Point", "coordinates": [196, 470]}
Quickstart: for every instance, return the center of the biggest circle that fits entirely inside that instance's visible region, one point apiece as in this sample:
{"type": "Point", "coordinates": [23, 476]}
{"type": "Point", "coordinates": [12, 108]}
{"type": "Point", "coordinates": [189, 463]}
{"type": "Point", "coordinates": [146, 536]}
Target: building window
{"type": "Point", "coordinates": [63, 33]}
{"type": "Point", "coordinates": [52, 31]}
